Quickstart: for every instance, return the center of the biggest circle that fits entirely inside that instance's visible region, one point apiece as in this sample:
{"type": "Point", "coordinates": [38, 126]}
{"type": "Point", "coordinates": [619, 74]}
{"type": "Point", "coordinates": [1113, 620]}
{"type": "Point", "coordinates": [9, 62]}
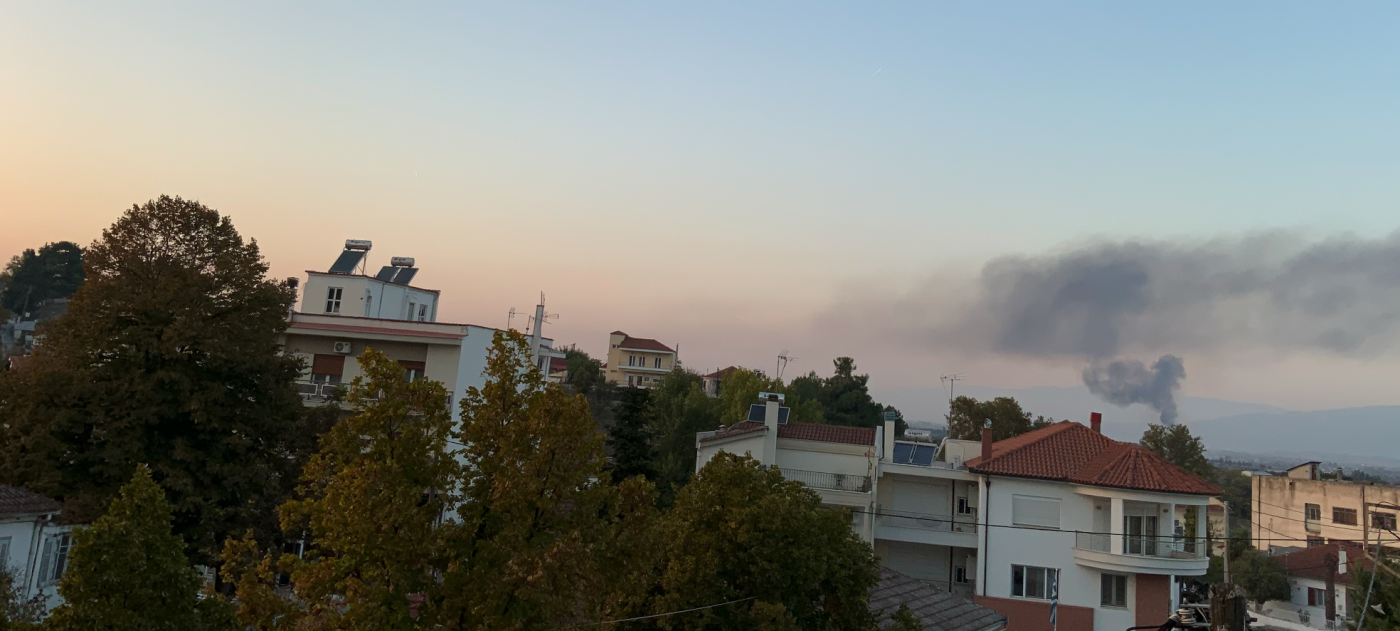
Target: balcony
{"type": "Point", "coordinates": [318, 392]}
{"type": "Point", "coordinates": [1142, 553]}
{"type": "Point", "coordinates": [829, 481]}
{"type": "Point", "coordinates": [922, 521]}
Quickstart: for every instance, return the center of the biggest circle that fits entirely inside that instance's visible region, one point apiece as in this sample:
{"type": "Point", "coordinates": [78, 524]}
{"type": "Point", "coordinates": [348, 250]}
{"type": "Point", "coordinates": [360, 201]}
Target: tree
{"type": "Point", "coordinates": [740, 531]}
{"type": "Point", "coordinates": [899, 424]}
{"type": "Point", "coordinates": [845, 397]}
{"type": "Point", "coordinates": [55, 271]}
{"type": "Point", "coordinates": [584, 372]}
{"type": "Point", "coordinates": [128, 571]}
{"type": "Point", "coordinates": [678, 409]}
{"type": "Point", "coordinates": [1176, 444]}
{"type": "Point", "coordinates": [1383, 614]}
{"type": "Point", "coordinates": [738, 390]}
{"type": "Point", "coordinates": [1262, 576]}
{"type": "Point", "coordinates": [168, 356]}
{"type": "Point", "coordinates": [16, 612]}
{"type": "Point", "coordinates": [629, 439]}
{"type": "Point", "coordinates": [530, 546]}
{"type": "Point", "coordinates": [905, 620]}
{"type": "Point", "coordinates": [967, 416]}
{"type": "Point", "coordinates": [369, 503]}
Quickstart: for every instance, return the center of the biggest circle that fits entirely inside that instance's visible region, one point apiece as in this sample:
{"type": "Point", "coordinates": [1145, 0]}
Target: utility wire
{"type": "Point", "coordinates": [659, 615]}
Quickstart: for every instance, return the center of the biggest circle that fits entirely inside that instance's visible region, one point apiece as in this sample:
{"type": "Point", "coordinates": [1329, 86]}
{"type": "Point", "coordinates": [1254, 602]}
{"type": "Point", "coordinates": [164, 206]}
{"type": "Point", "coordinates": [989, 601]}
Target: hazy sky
{"type": "Point", "coordinates": [721, 176]}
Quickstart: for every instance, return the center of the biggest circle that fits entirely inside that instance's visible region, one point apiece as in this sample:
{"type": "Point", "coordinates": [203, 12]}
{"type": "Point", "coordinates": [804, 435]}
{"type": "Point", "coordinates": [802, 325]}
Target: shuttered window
{"type": "Point", "coordinates": [328, 365]}
{"type": "Point", "coordinates": [1040, 512]}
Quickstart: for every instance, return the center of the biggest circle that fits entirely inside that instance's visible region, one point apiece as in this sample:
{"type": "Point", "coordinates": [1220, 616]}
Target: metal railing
{"type": "Point", "coordinates": [1161, 547]}
{"type": "Point", "coordinates": [924, 521]}
{"type": "Point", "coordinates": [829, 481]}
{"type": "Point", "coordinates": [314, 391]}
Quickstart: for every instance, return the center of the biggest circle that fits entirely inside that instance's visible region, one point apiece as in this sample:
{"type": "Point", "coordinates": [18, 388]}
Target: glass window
{"type": "Point", "coordinates": [1344, 516]}
{"type": "Point", "coordinates": [1317, 597]}
{"type": "Point", "coordinates": [959, 574]}
{"type": "Point", "coordinates": [5, 552]}
{"type": "Point", "coordinates": [422, 313]}
{"type": "Point", "coordinates": [1018, 580]}
{"type": "Point", "coordinates": [55, 559]}
{"type": "Point", "coordinates": [1113, 590]}
{"type": "Point", "coordinates": [1032, 582]}
{"type": "Point", "coordinates": [1312, 511]}
{"type": "Point", "coordinates": [1384, 521]}
{"type": "Point", "coordinates": [333, 299]}
{"type": "Point", "coordinates": [411, 307]}
{"type": "Point", "coordinates": [1315, 541]}
{"type": "Point", "coordinates": [658, 362]}
{"type": "Point", "coordinates": [631, 360]}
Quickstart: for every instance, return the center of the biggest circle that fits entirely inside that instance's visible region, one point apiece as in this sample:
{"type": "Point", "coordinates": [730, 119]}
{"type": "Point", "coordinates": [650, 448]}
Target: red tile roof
{"type": "Point", "coordinates": [840, 434]}
{"type": "Point", "coordinates": [643, 344]}
{"type": "Point", "coordinates": [17, 501]}
{"type": "Point", "coordinates": [1312, 562]}
{"type": "Point", "coordinates": [557, 364]}
{"type": "Point", "coordinates": [1070, 452]}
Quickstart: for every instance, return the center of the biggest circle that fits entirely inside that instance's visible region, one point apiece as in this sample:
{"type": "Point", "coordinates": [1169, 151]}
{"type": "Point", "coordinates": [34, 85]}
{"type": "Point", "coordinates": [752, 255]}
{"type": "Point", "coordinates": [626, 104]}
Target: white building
{"type": "Point", "coordinates": [1309, 571]}
{"type": "Point", "coordinates": [344, 311]}
{"type": "Point", "coordinates": [33, 543]}
{"type": "Point", "coordinates": [1001, 522]}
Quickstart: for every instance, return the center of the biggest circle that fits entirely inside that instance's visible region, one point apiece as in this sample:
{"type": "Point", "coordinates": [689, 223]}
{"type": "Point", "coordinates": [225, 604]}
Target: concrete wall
{"type": "Point", "coordinates": [826, 458]}
{"type": "Point", "coordinates": [1278, 504]}
{"type": "Point", "coordinates": [366, 297]}
{"type": "Point", "coordinates": [750, 444]}
{"type": "Point", "coordinates": [1297, 606]}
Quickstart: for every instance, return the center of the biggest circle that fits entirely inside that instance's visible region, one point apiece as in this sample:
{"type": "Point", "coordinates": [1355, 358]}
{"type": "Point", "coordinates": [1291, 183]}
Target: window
{"type": "Point", "coordinates": [629, 380]}
{"type": "Point", "coordinates": [1032, 582]}
{"type": "Point", "coordinates": [327, 368]}
{"type": "Point", "coordinates": [1315, 541]}
{"type": "Point", "coordinates": [422, 313]}
{"type": "Point", "coordinates": [1384, 521]}
{"type": "Point", "coordinates": [333, 299]}
{"type": "Point", "coordinates": [1344, 516]}
{"type": "Point", "coordinates": [1312, 512]}
{"type": "Point", "coordinates": [411, 307]}
{"type": "Point", "coordinates": [412, 371]}
{"type": "Point", "coordinates": [959, 574]}
{"type": "Point", "coordinates": [1317, 597]}
{"type": "Point", "coordinates": [658, 362]}
{"type": "Point", "coordinates": [55, 559]}
{"type": "Point", "coordinates": [1039, 512]}
{"type": "Point", "coordinates": [965, 507]}
{"type": "Point", "coordinates": [631, 360]}
{"type": "Point", "coordinates": [4, 552]}
{"type": "Point", "coordinates": [1113, 590]}
{"type": "Point", "coordinates": [369, 305]}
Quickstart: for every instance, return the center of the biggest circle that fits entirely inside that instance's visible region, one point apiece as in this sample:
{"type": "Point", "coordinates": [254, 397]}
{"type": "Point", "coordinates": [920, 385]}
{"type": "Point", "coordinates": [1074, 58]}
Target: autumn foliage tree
{"type": "Point", "coordinates": [168, 356]}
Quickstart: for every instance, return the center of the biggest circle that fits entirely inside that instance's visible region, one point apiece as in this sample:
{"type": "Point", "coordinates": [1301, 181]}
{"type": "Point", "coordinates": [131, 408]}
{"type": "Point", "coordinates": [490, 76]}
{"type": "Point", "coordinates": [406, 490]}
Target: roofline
{"type": "Point", "coordinates": [431, 291]}
{"type": "Point", "coordinates": [647, 350]}
{"type": "Point", "coordinates": [1102, 486]}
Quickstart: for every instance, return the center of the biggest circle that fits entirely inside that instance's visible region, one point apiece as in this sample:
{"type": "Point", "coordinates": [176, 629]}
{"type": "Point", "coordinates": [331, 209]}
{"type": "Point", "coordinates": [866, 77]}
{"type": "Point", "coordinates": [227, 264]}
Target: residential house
{"type": "Point", "coordinates": [344, 311]}
{"type": "Point", "coordinates": [712, 383]}
{"type": "Point", "coordinates": [34, 543]}
{"type": "Point", "coordinates": [1003, 522]}
{"type": "Point", "coordinates": [1300, 509]}
{"type": "Point", "coordinates": [637, 361]}
{"type": "Point", "coordinates": [1310, 571]}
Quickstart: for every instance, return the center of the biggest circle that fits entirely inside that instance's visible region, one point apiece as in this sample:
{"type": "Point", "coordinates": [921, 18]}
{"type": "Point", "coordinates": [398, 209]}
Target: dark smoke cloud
{"type": "Point", "coordinates": [1125, 382]}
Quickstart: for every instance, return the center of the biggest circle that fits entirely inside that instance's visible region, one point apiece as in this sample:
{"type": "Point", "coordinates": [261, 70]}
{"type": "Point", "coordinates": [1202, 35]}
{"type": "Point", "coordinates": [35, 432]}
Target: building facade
{"type": "Point", "coordinates": [34, 544]}
{"type": "Point", "coordinates": [637, 362]}
{"type": "Point", "coordinates": [1298, 509]}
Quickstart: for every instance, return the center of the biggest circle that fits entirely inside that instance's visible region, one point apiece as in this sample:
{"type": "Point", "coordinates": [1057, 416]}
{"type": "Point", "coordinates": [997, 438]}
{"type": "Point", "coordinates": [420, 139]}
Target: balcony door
{"type": "Point", "coordinates": [1140, 534]}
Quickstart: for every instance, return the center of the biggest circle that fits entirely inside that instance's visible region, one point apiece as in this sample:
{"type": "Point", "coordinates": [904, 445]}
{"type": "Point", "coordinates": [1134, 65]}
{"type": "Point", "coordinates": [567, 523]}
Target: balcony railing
{"type": "Point", "coordinates": [1169, 547]}
{"type": "Point", "coordinates": [318, 391]}
{"type": "Point", "coordinates": [925, 521]}
{"type": "Point", "coordinates": [829, 481]}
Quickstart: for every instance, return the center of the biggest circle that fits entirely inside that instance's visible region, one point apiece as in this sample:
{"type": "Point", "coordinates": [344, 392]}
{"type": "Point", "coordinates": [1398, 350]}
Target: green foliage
{"type": "Point", "coordinates": [1262, 576]}
{"type": "Point", "coordinates": [967, 416]}
{"type": "Point", "coordinates": [369, 503]}
{"type": "Point", "coordinates": [1176, 444]}
{"type": "Point", "coordinates": [845, 397]}
{"type": "Point", "coordinates": [128, 571]}
{"type": "Point", "coordinates": [1383, 614]}
{"type": "Point", "coordinates": [584, 372]}
{"type": "Point", "coordinates": [677, 410]}
{"type": "Point", "coordinates": [1238, 492]}
{"type": "Point", "coordinates": [536, 540]}
{"type": "Point", "coordinates": [55, 271]}
{"type": "Point", "coordinates": [16, 613]}
{"type": "Point", "coordinates": [905, 620]}
{"type": "Point", "coordinates": [169, 356]}
{"type": "Point", "coordinates": [629, 437]}
{"type": "Point", "coordinates": [738, 531]}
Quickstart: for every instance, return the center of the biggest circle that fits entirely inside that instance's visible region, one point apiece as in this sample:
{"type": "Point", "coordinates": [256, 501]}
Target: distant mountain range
{"type": "Point", "coordinates": [1367, 436]}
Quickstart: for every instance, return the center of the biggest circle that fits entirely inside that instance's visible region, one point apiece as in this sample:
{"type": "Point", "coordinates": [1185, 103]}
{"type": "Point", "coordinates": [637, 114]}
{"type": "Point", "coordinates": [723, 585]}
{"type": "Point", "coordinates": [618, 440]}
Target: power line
{"type": "Point", "coordinates": [659, 615]}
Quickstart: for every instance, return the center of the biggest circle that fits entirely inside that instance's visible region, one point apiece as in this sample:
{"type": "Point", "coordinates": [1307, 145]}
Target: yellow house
{"type": "Point", "coordinates": [638, 361]}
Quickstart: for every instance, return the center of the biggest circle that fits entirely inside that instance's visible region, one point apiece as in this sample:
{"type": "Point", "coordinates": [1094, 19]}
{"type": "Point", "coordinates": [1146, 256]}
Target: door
{"type": "Point", "coordinates": [1140, 534]}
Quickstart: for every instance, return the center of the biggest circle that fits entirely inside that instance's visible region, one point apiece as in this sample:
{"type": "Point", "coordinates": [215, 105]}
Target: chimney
{"type": "Point", "coordinates": [1096, 422]}
{"type": "Point", "coordinates": [771, 404]}
{"type": "Point", "coordinates": [887, 441]}
{"type": "Point", "coordinates": [987, 441]}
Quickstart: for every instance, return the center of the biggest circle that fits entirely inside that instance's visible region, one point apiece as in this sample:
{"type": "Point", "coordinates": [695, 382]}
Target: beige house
{"type": "Point", "coordinates": [637, 361]}
{"type": "Point", "coordinates": [1299, 509]}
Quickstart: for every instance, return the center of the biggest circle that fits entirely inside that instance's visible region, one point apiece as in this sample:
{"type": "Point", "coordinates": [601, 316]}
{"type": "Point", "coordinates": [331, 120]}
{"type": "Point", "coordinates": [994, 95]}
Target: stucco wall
{"type": "Point", "coordinates": [1278, 504]}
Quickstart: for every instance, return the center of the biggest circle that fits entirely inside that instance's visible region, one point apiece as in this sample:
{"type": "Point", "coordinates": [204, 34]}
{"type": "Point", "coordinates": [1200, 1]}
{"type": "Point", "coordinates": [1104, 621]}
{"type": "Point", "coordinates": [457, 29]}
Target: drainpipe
{"type": "Point", "coordinates": [30, 580]}
{"type": "Point", "coordinates": [986, 529]}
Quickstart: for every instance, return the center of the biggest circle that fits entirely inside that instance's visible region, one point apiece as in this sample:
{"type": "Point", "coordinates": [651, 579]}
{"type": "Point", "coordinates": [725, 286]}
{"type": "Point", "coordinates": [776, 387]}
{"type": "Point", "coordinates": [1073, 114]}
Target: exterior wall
{"type": "Point", "coordinates": [1152, 598]}
{"type": "Point", "coordinates": [26, 545]}
{"type": "Point", "coordinates": [1297, 606]}
{"type": "Point", "coordinates": [1034, 615]}
{"type": "Point", "coordinates": [750, 444]}
{"type": "Point", "coordinates": [805, 455]}
{"type": "Point", "coordinates": [364, 296]}
{"type": "Point", "coordinates": [643, 369]}
{"type": "Point", "coordinates": [1278, 504]}
{"type": "Point", "coordinates": [916, 560]}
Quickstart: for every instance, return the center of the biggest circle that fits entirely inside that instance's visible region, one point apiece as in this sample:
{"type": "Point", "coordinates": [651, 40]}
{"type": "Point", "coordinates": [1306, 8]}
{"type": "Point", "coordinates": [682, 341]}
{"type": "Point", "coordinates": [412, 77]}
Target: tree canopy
{"type": "Point", "coordinates": [967, 416]}
{"type": "Point", "coordinates": [169, 356]}
{"type": "Point", "coordinates": [55, 271]}
{"type": "Point", "coordinates": [1176, 444]}
{"type": "Point", "coordinates": [630, 438]}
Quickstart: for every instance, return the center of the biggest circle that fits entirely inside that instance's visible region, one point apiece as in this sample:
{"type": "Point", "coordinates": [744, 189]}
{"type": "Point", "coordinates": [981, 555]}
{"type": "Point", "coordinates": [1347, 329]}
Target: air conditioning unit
{"type": "Point", "coordinates": [343, 348]}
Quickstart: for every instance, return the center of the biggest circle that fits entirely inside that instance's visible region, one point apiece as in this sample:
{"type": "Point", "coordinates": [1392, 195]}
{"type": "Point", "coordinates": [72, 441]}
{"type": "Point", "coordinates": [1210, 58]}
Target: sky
{"type": "Point", "coordinates": [727, 177]}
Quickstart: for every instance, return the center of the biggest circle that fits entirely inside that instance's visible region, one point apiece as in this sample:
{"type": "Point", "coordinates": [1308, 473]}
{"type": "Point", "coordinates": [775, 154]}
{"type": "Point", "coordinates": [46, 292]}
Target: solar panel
{"type": "Point", "coordinates": [386, 273]}
{"type": "Point", "coordinates": [348, 261]}
{"type": "Point", "coordinates": [923, 455]}
{"type": "Point", "coordinates": [756, 413]}
{"type": "Point", "coordinates": [405, 275]}
{"type": "Point", "coordinates": [903, 452]}
{"type": "Point", "coordinates": [782, 416]}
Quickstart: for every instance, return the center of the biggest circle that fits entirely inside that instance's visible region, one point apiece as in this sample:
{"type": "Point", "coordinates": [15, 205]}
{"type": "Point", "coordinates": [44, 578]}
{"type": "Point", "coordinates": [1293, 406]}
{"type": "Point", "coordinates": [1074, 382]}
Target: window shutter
{"type": "Point", "coordinates": [1041, 512]}
{"type": "Point", "coordinates": [328, 365]}
{"type": "Point", "coordinates": [44, 564]}
{"type": "Point", "coordinates": [408, 365]}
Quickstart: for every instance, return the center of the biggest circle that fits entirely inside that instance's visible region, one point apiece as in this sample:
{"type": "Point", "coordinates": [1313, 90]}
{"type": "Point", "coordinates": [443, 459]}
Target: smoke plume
{"type": "Point", "coordinates": [1125, 382]}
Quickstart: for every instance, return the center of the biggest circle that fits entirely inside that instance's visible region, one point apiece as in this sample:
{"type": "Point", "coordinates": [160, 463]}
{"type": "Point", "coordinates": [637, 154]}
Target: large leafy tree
{"type": "Point", "coordinates": [967, 416]}
{"type": "Point", "coordinates": [738, 532]}
{"type": "Point", "coordinates": [1176, 444]}
{"type": "Point", "coordinates": [129, 572]}
{"type": "Point", "coordinates": [629, 437]}
{"type": "Point", "coordinates": [55, 271]}
{"type": "Point", "coordinates": [168, 356]}
{"type": "Point", "coordinates": [369, 504]}
{"type": "Point", "coordinates": [535, 543]}
{"type": "Point", "coordinates": [846, 397]}
{"type": "Point", "coordinates": [678, 409]}
{"type": "Point", "coordinates": [1383, 614]}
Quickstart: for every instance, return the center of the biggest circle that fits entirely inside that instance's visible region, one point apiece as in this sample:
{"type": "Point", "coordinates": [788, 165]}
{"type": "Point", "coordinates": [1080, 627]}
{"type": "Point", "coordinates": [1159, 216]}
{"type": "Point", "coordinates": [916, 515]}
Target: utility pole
{"type": "Point", "coordinates": [1227, 543]}
{"type": "Point", "coordinates": [1331, 562]}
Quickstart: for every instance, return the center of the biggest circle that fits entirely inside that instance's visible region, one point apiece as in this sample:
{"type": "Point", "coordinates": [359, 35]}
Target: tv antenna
{"type": "Point", "coordinates": [509, 318]}
{"type": "Point", "coordinates": [783, 360]}
{"type": "Point", "coordinates": [540, 314]}
{"type": "Point", "coordinates": [951, 381]}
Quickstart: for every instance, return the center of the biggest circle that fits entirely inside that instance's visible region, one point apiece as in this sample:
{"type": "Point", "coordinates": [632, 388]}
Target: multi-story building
{"type": "Point", "coordinates": [34, 543]}
{"type": "Point", "coordinates": [344, 311]}
{"type": "Point", "coordinates": [637, 361]}
{"type": "Point", "coordinates": [713, 383]}
{"type": "Point", "coordinates": [1320, 585]}
{"type": "Point", "coordinates": [1298, 509]}
{"type": "Point", "coordinates": [1008, 522]}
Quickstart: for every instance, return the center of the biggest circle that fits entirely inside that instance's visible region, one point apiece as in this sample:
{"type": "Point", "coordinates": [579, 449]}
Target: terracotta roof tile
{"type": "Point", "coordinates": [1312, 562]}
{"type": "Point", "coordinates": [643, 344]}
{"type": "Point", "coordinates": [17, 501]}
{"type": "Point", "coordinates": [842, 434]}
{"type": "Point", "coordinates": [737, 429]}
{"type": "Point", "coordinates": [1070, 452]}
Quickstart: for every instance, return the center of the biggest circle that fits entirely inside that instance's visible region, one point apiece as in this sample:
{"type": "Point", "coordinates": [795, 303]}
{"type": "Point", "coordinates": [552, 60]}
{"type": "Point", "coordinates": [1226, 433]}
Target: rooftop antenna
{"type": "Point", "coordinates": [951, 381]}
{"type": "Point", "coordinates": [783, 360]}
{"type": "Point", "coordinates": [510, 318]}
